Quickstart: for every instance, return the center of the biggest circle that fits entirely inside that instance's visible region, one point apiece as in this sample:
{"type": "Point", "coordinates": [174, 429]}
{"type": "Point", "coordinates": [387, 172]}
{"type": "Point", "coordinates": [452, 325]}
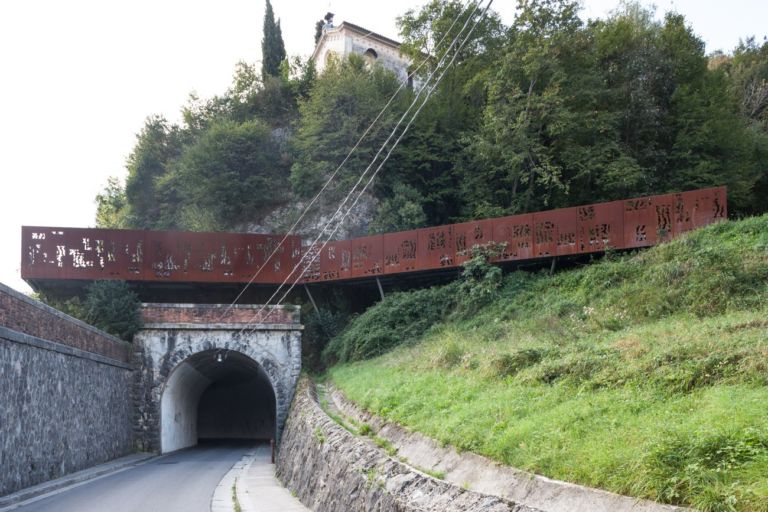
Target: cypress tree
{"type": "Point", "coordinates": [272, 46]}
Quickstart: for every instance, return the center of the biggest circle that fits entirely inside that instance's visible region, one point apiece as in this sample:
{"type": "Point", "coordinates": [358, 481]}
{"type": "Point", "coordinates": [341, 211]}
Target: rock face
{"type": "Point", "coordinates": [62, 408]}
{"type": "Point", "coordinates": [281, 219]}
{"type": "Point", "coordinates": [332, 470]}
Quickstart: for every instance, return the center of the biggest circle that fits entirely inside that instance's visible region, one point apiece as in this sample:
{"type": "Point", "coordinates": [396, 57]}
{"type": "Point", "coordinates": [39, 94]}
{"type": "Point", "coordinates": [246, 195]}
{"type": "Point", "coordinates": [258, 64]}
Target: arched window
{"type": "Point", "coordinates": [370, 56]}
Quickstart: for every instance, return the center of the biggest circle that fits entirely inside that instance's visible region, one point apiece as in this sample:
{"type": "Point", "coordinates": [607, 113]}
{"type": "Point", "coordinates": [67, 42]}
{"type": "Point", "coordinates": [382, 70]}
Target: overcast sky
{"type": "Point", "coordinates": [79, 77]}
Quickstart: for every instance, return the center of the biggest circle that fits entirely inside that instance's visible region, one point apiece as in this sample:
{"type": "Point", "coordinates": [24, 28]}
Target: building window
{"type": "Point", "coordinates": [370, 56]}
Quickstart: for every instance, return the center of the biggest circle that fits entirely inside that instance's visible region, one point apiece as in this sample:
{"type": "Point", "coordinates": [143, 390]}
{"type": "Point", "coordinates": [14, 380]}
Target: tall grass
{"type": "Point", "coordinates": [643, 374]}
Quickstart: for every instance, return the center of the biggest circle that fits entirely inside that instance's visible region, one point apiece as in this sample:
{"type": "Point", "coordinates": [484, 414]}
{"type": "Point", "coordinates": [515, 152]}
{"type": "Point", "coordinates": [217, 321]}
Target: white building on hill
{"type": "Point", "coordinates": [347, 38]}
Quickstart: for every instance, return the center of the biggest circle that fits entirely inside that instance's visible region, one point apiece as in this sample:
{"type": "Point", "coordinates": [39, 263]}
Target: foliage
{"type": "Point", "coordinates": [320, 327]}
{"type": "Point", "coordinates": [109, 305]}
{"type": "Point", "coordinates": [113, 307]}
{"type": "Point", "coordinates": [549, 112]}
{"type": "Point", "coordinates": [157, 145]}
{"type": "Point", "coordinates": [343, 103]}
{"type": "Point", "coordinates": [111, 206]}
{"type": "Point", "coordinates": [401, 211]}
{"type": "Point", "coordinates": [400, 318]}
{"type": "Point", "coordinates": [231, 172]}
{"type": "Point", "coordinates": [644, 374]}
{"type": "Point", "coordinates": [481, 280]}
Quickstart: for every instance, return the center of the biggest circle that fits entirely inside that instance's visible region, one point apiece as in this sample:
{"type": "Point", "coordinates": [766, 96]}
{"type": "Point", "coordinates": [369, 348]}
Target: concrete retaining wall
{"type": "Point", "coordinates": [62, 409]}
{"type": "Point", "coordinates": [332, 470]}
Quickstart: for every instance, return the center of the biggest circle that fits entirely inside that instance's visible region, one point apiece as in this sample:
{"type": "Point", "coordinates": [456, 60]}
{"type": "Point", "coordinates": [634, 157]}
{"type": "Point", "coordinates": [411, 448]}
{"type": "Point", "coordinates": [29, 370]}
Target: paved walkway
{"type": "Point", "coordinates": [258, 490]}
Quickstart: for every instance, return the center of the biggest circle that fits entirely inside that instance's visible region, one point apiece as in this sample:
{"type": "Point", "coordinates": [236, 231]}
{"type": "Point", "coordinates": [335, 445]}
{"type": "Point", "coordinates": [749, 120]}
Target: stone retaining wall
{"type": "Point", "coordinates": [331, 470]}
{"type": "Point", "coordinates": [485, 475]}
{"type": "Point", "coordinates": [62, 409]}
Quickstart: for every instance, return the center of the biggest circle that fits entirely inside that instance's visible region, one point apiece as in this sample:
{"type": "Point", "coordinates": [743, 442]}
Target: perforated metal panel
{"type": "Point", "coordinates": [133, 255]}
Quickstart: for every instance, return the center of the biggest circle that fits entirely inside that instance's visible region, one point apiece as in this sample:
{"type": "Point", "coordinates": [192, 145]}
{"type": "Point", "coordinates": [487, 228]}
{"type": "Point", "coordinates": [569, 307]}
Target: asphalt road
{"type": "Point", "coordinates": [183, 481]}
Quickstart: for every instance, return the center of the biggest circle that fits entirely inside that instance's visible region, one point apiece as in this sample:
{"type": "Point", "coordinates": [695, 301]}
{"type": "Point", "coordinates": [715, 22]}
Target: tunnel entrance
{"type": "Point", "coordinates": [217, 395]}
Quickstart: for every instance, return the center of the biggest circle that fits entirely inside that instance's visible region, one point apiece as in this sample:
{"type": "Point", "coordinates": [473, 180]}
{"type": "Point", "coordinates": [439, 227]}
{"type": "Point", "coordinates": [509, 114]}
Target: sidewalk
{"type": "Point", "coordinates": [12, 501]}
{"type": "Point", "coordinates": [258, 490]}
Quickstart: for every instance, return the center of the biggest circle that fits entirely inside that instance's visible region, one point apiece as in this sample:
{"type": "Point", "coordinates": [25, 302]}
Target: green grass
{"type": "Point", "coordinates": [643, 374]}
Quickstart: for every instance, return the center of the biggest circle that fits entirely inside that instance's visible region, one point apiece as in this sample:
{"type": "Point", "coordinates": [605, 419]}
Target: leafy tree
{"type": "Point", "coordinates": [231, 173]}
{"type": "Point", "coordinates": [113, 307]}
{"type": "Point", "coordinates": [344, 101]}
{"type": "Point", "coordinates": [109, 305]}
{"type": "Point", "coordinates": [429, 157]}
{"type": "Point", "coordinates": [111, 206]}
{"type": "Point", "coordinates": [157, 145]}
{"type": "Point", "coordinates": [401, 211]}
{"type": "Point", "coordinates": [272, 46]}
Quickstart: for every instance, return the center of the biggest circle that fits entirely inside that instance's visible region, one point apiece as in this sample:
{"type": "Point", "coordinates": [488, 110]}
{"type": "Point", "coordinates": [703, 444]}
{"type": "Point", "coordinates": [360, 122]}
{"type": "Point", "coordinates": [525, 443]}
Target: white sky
{"type": "Point", "coordinates": [77, 79]}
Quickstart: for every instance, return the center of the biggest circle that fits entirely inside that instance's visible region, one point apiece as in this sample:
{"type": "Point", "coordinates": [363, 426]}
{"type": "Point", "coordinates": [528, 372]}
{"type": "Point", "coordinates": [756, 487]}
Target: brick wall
{"type": "Point", "coordinates": [217, 314]}
{"type": "Point", "coordinates": [22, 314]}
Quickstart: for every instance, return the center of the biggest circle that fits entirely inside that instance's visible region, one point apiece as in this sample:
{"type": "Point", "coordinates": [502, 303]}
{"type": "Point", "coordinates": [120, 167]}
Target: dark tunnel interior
{"type": "Point", "coordinates": [217, 395]}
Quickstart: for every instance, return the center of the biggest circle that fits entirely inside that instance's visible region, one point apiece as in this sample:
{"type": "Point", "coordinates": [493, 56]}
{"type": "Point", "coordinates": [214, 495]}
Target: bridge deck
{"type": "Point", "coordinates": [174, 257]}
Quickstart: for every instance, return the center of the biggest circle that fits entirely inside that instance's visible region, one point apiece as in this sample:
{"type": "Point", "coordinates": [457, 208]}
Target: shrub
{"type": "Point", "coordinates": [320, 327]}
{"type": "Point", "coordinates": [400, 318]}
{"type": "Point", "coordinates": [506, 365]}
{"type": "Point", "coordinates": [113, 307]}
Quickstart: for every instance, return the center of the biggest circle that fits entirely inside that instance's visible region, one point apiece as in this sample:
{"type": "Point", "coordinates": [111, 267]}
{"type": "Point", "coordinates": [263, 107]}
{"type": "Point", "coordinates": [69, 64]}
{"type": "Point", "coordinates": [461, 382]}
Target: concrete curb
{"type": "Point", "coordinates": [222, 500]}
{"type": "Point", "coordinates": [19, 498]}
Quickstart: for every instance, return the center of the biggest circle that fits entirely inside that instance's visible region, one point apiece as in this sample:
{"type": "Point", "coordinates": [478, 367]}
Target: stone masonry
{"type": "Point", "coordinates": [65, 402]}
{"type": "Point", "coordinates": [173, 333]}
{"type": "Point", "coordinates": [331, 470]}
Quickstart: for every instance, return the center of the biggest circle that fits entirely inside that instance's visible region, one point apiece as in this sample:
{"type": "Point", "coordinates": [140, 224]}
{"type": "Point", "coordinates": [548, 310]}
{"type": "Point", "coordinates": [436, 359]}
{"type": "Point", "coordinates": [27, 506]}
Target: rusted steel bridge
{"type": "Point", "coordinates": [78, 254]}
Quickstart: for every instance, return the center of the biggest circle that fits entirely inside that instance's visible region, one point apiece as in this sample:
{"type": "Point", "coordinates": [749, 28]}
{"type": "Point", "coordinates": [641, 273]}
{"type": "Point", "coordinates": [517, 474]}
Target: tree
{"type": "Point", "coordinates": [401, 211]}
{"type": "Point", "coordinates": [344, 101]}
{"type": "Point", "coordinates": [542, 128]}
{"type": "Point", "coordinates": [272, 46]}
{"type": "Point", "coordinates": [429, 157]}
{"type": "Point", "coordinates": [233, 172]}
{"type": "Point", "coordinates": [157, 145]}
{"type": "Point", "coordinates": [112, 206]}
{"type": "Point", "coordinates": [113, 307]}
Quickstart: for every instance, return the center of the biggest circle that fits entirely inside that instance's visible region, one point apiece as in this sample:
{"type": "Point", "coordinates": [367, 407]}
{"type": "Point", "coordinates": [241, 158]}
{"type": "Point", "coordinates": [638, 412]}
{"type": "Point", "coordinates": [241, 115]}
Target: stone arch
{"type": "Point", "coordinates": [217, 394]}
{"type": "Point", "coordinates": [167, 354]}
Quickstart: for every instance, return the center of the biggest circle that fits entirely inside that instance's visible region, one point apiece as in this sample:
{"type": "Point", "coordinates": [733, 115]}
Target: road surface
{"type": "Point", "coordinates": [183, 481]}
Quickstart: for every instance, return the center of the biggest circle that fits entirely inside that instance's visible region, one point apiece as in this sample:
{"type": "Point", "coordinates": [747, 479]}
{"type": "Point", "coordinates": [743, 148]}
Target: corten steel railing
{"type": "Point", "coordinates": [132, 255]}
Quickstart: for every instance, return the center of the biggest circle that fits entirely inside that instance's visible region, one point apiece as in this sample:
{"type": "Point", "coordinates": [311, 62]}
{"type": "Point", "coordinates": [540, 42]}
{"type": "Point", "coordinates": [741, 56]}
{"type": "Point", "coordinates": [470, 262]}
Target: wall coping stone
{"type": "Point", "coordinates": [34, 341]}
{"type": "Point", "coordinates": [223, 327]}
{"type": "Point", "coordinates": [211, 314]}
{"type": "Point", "coordinates": [55, 312]}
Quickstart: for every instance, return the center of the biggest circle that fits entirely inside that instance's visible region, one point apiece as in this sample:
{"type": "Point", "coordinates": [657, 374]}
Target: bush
{"type": "Point", "coordinates": [320, 327]}
{"type": "Point", "coordinates": [481, 280]}
{"type": "Point", "coordinates": [506, 365]}
{"type": "Point", "coordinates": [113, 307]}
{"type": "Point", "coordinates": [399, 318]}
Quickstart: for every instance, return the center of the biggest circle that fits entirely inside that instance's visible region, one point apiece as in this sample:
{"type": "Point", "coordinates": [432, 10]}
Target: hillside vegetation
{"type": "Point", "coordinates": [551, 110]}
{"type": "Point", "coordinates": [645, 374]}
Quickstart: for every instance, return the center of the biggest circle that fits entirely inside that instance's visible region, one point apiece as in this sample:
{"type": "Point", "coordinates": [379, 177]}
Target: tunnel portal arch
{"type": "Point", "coordinates": [216, 394]}
{"type": "Point", "coordinates": [205, 378]}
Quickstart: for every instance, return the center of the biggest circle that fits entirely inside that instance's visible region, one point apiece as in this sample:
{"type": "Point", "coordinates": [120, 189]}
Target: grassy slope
{"type": "Point", "coordinates": [645, 375]}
